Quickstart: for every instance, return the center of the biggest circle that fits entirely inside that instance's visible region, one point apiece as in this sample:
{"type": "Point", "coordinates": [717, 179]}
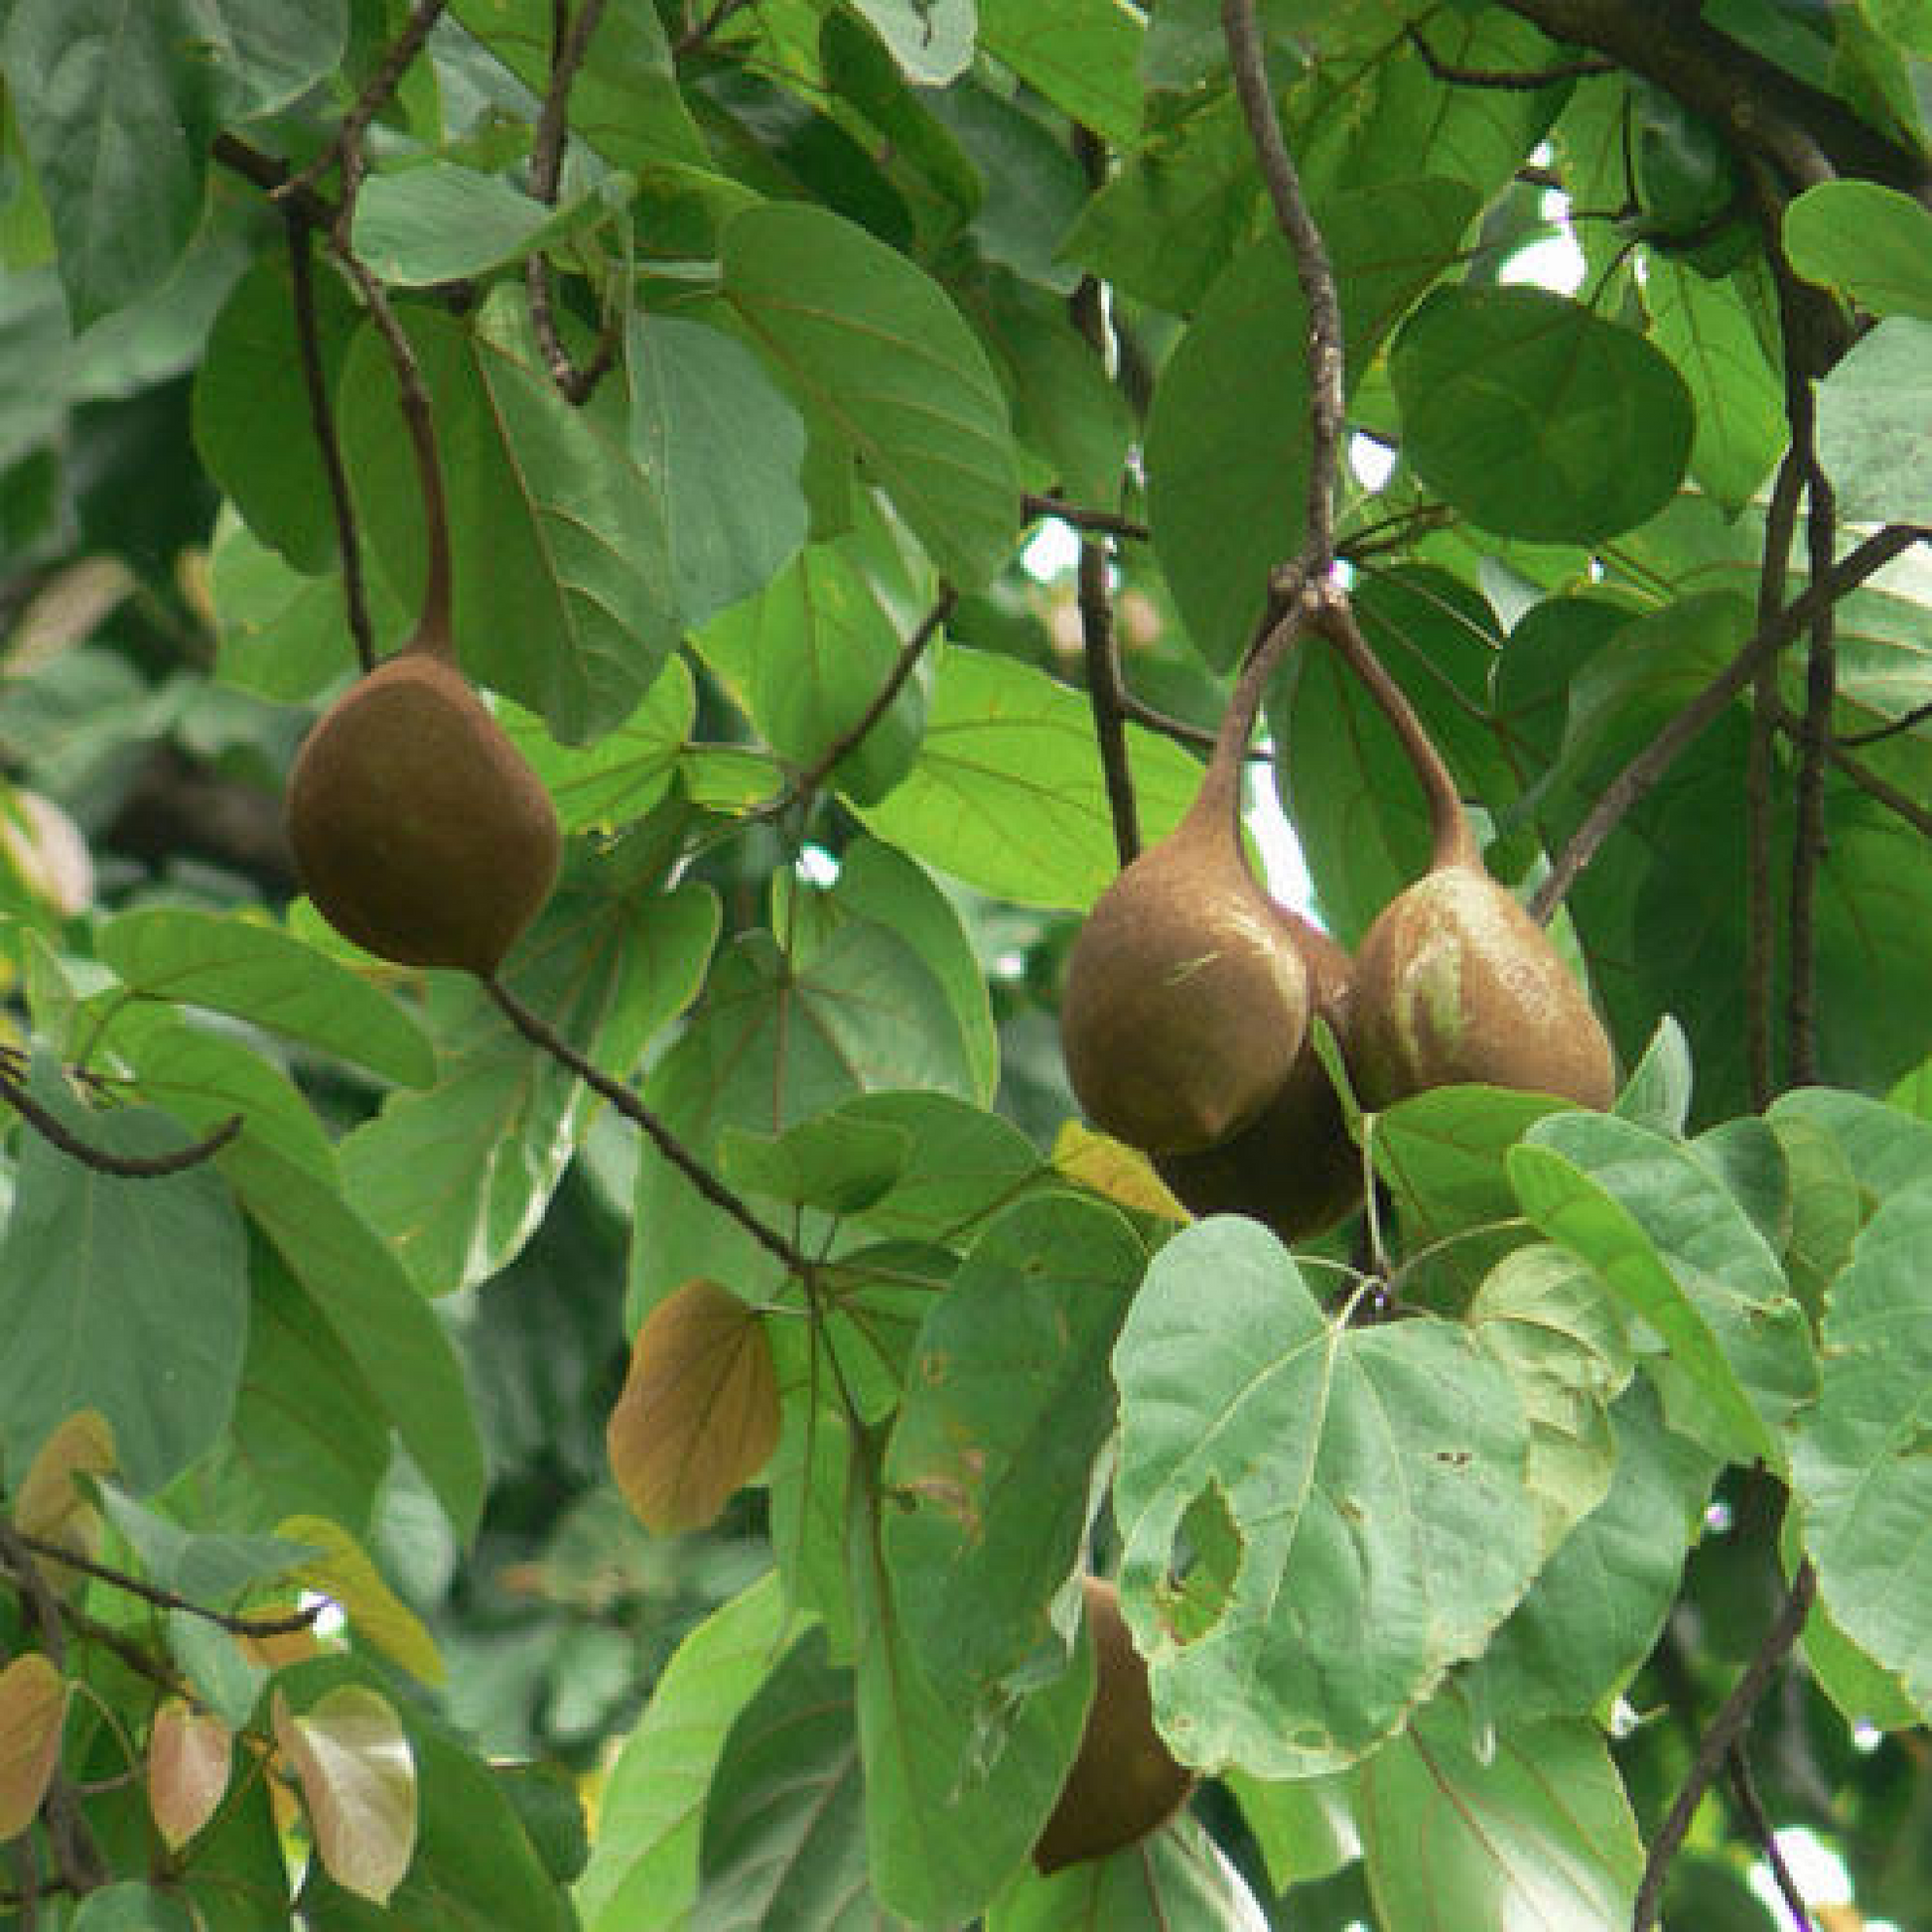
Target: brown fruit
{"type": "Point", "coordinates": [1186, 999]}
{"type": "Point", "coordinates": [419, 830]}
{"type": "Point", "coordinates": [1124, 1782]}
{"type": "Point", "coordinates": [1294, 1169]}
{"type": "Point", "coordinates": [1454, 980]}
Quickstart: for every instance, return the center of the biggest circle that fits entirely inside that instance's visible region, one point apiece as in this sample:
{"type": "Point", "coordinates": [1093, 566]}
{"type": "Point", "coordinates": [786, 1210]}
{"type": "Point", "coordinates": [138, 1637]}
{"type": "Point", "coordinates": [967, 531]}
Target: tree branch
{"type": "Point", "coordinates": [166, 1599]}
{"type": "Point", "coordinates": [1313, 270]}
{"type": "Point", "coordinates": [1642, 773]}
{"type": "Point", "coordinates": [570, 41]}
{"type": "Point", "coordinates": [373, 97]}
{"type": "Point", "coordinates": [1719, 1737]}
{"type": "Point", "coordinates": [1511, 80]}
{"type": "Point", "coordinates": [540, 1034]}
{"type": "Point", "coordinates": [1079, 518]}
{"type": "Point", "coordinates": [322, 419]}
{"type": "Point", "coordinates": [122, 1167]}
{"type": "Point", "coordinates": [1803, 134]}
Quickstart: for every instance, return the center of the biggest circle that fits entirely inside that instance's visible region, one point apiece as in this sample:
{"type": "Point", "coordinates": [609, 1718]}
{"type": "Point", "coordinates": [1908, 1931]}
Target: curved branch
{"type": "Point", "coordinates": [122, 1167]}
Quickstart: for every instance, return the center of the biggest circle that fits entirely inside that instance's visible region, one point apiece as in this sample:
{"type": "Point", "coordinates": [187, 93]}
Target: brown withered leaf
{"type": "Point", "coordinates": [190, 1755]}
{"type": "Point", "coordinates": [698, 1413]}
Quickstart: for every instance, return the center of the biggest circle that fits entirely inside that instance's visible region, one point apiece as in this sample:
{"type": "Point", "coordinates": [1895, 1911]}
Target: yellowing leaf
{"type": "Point", "coordinates": [51, 1505]}
{"type": "Point", "coordinates": [1114, 1170]}
{"type": "Point", "coordinates": [33, 1708]}
{"type": "Point", "coordinates": [357, 1775]}
{"type": "Point", "coordinates": [344, 1572]}
{"type": "Point", "coordinates": [699, 1411]}
{"type": "Point", "coordinates": [190, 1755]}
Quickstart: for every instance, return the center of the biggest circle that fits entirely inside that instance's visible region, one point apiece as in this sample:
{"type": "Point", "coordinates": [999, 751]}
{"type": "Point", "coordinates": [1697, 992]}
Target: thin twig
{"type": "Point", "coordinates": [75, 1854]}
{"type": "Point", "coordinates": [1101, 648]}
{"type": "Point", "coordinates": [322, 419]}
{"type": "Point", "coordinates": [695, 37]}
{"type": "Point", "coordinates": [373, 98]}
{"type": "Point", "coordinates": [123, 1166]}
{"type": "Point", "coordinates": [167, 1600]}
{"type": "Point", "coordinates": [1509, 80]}
{"type": "Point", "coordinates": [570, 41]}
{"type": "Point", "coordinates": [1643, 772]}
{"type": "Point", "coordinates": [1719, 1737]}
{"type": "Point", "coordinates": [1808, 842]}
{"type": "Point", "coordinates": [1781, 524]}
{"type": "Point", "coordinates": [1880, 790]}
{"type": "Point", "coordinates": [1750, 1807]}
{"type": "Point", "coordinates": [1313, 270]}
{"type": "Point", "coordinates": [1099, 638]}
{"type": "Point", "coordinates": [855, 732]}
{"type": "Point", "coordinates": [540, 1034]}
{"type": "Point", "coordinates": [272, 175]}
{"type": "Point", "coordinates": [1138, 711]}
{"type": "Point", "coordinates": [1080, 516]}
{"type": "Point", "coordinates": [1877, 734]}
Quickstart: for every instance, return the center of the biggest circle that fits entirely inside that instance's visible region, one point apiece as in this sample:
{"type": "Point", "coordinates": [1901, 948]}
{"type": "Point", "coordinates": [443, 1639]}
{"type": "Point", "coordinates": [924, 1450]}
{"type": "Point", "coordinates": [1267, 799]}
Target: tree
{"type": "Point", "coordinates": [619, 1439]}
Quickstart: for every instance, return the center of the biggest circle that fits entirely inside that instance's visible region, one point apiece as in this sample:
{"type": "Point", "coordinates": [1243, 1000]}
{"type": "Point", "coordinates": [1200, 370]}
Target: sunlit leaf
{"type": "Point", "coordinates": [358, 1777]}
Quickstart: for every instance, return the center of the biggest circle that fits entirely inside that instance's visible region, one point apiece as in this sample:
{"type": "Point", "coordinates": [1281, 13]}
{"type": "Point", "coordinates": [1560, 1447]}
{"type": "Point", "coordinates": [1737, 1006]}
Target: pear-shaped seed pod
{"type": "Point", "coordinates": [1454, 982]}
{"type": "Point", "coordinates": [1125, 1781]}
{"type": "Point", "coordinates": [1186, 999]}
{"type": "Point", "coordinates": [419, 830]}
{"type": "Point", "coordinates": [1295, 1167]}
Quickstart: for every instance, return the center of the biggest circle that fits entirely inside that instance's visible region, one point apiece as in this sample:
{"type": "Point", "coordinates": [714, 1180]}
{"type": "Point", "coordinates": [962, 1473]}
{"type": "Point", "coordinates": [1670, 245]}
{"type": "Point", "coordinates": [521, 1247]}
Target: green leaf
{"type": "Point", "coordinates": [725, 448]}
{"type": "Point", "coordinates": [559, 539]}
{"type": "Point", "coordinates": [1872, 415]}
{"type": "Point", "coordinates": [809, 658]}
{"type": "Point", "coordinates": [440, 221]}
{"type": "Point", "coordinates": [1887, 1148]}
{"type": "Point", "coordinates": [773, 1043]}
{"type": "Point", "coordinates": [885, 363]}
{"type": "Point", "coordinates": [387, 1329]}
{"type": "Point", "coordinates": [953, 1802]}
{"type": "Point", "coordinates": [1547, 1318]}
{"type": "Point", "coordinates": [1536, 418]}
{"type": "Point", "coordinates": [1707, 330]}
{"type": "Point", "coordinates": [204, 1078]}
{"type": "Point", "coordinates": [301, 1441]}
{"type": "Point", "coordinates": [1666, 1234]}
{"type": "Point", "coordinates": [1179, 1879]}
{"type": "Point", "coordinates": [262, 53]}
{"type": "Point", "coordinates": [1007, 794]}
{"type": "Point", "coordinates": [131, 1909]}
{"type": "Point", "coordinates": [834, 1163]}
{"type": "Point", "coordinates": [785, 1819]}
{"type": "Point", "coordinates": [1594, 1612]}
{"type": "Point", "coordinates": [642, 1874]}
{"type": "Point", "coordinates": [1227, 448]}
{"type": "Point", "coordinates": [879, 883]}
{"type": "Point", "coordinates": [966, 1164]}
{"type": "Point", "coordinates": [459, 1174]}
{"type": "Point", "coordinates": [213, 1569]}
{"type": "Point", "coordinates": [284, 636]}
{"type": "Point", "coordinates": [1082, 54]}
{"type": "Point", "coordinates": [1529, 1826]}
{"type": "Point", "coordinates": [270, 978]}
{"type": "Point", "coordinates": [1007, 1404]}
{"type": "Point", "coordinates": [624, 102]}
{"type": "Point", "coordinates": [1869, 242]}
{"type": "Point", "coordinates": [128, 1297]}
{"type": "Point", "coordinates": [1354, 1498]}
{"type": "Point", "coordinates": [932, 40]}
{"type": "Point", "coordinates": [1860, 1466]}
{"type": "Point", "coordinates": [101, 100]}
{"type": "Point", "coordinates": [1443, 1157]}
{"type": "Point", "coordinates": [251, 411]}
{"type": "Point", "coordinates": [629, 771]}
